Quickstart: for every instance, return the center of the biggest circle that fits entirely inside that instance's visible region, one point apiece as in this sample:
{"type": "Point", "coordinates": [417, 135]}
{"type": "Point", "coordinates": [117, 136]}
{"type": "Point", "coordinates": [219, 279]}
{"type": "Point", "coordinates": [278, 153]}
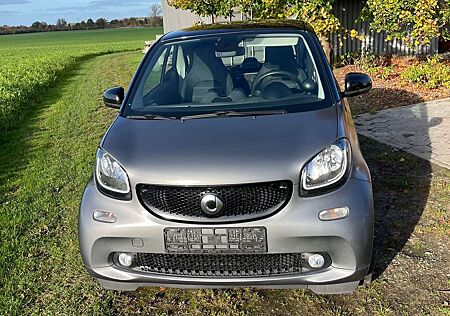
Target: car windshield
{"type": "Point", "coordinates": [270, 71]}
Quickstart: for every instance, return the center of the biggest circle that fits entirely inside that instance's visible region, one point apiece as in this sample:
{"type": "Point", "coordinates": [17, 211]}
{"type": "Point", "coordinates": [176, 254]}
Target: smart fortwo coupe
{"type": "Point", "coordinates": [233, 162]}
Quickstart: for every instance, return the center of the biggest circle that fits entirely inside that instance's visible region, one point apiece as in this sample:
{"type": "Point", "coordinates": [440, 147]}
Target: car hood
{"type": "Point", "coordinates": [213, 151]}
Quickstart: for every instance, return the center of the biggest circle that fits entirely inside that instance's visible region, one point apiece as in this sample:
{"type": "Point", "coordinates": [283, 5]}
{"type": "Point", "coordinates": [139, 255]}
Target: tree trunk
{"type": "Point", "coordinates": [326, 45]}
{"type": "Point", "coordinates": [212, 19]}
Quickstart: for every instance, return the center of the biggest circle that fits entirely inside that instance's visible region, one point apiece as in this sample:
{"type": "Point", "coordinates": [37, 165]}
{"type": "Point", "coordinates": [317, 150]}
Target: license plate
{"type": "Point", "coordinates": [216, 240]}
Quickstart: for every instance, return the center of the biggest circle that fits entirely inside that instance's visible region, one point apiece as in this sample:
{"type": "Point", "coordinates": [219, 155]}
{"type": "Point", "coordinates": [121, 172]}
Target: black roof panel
{"type": "Point", "coordinates": [232, 27]}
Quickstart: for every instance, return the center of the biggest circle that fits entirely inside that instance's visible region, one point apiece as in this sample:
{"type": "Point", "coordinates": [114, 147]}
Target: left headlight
{"type": "Point", "coordinates": [328, 167]}
{"type": "Point", "coordinates": [111, 176]}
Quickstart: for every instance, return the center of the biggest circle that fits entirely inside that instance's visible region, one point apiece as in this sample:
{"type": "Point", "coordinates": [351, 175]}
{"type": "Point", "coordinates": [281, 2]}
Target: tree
{"type": "Point", "coordinates": [155, 14]}
{"type": "Point", "coordinates": [212, 8]}
{"type": "Point", "coordinates": [61, 24]}
{"type": "Point", "coordinates": [247, 7]}
{"type": "Point", "coordinates": [422, 20]}
{"type": "Point", "coordinates": [319, 14]}
{"type": "Point", "coordinates": [43, 27]}
{"type": "Point", "coordinates": [262, 9]}
{"type": "Point", "coordinates": [90, 24]}
{"type": "Point", "coordinates": [100, 23]}
{"type": "Point", "coordinates": [155, 10]}
{"type": "Point", "coordinates": [272, 9]}
{"type": "Point", "coordinates": [36, 26]}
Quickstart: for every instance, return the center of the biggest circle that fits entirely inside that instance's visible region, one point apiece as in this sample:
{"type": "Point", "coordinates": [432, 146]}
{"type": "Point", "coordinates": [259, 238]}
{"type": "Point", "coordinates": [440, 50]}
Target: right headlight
{"type": "Point", "coordinates": [328, 167]}
{"type": "Point", "coordinates": [111, 178]}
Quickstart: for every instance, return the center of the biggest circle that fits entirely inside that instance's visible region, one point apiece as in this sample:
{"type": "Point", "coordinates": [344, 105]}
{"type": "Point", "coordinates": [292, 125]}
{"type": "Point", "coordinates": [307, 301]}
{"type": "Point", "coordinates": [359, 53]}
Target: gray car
{"type": "Point", "coordinates": [233, 162]}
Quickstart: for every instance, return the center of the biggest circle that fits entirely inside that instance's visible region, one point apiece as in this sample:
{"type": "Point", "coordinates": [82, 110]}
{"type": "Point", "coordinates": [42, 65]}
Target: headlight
{"type": "Point", "coordinates": [327, 167]}
{"type": "Point", "coordinates": [110, 174]}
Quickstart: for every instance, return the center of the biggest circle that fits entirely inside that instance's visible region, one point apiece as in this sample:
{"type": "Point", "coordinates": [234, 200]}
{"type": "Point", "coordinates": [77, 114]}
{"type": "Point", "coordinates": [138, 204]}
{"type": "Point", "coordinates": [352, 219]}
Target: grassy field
{"type": "Point", "coordinates": [45, 162]}
{"type": "Point", "coordinates": [31, 62]}
{"type": "Point", "coordinates": [47, 159]}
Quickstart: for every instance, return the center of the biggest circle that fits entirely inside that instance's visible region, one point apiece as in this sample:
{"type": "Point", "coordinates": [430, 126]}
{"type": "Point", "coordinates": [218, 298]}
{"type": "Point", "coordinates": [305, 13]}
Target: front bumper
{"type": "Point", "coordinates": [295, 229]}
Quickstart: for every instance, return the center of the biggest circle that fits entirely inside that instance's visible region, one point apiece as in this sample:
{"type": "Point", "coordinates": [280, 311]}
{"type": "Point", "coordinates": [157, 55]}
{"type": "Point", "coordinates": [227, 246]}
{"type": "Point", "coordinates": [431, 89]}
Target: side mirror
{"type": "Point", "coordinates": [356, 83]}
{"type": "Point", "coordinates": [113, 97]}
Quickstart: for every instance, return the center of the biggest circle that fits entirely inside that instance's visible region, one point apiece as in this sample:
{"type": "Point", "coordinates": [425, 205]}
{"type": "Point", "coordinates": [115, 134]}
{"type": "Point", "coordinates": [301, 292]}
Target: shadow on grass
{"type": "Point", "coordinates": [401, 181]}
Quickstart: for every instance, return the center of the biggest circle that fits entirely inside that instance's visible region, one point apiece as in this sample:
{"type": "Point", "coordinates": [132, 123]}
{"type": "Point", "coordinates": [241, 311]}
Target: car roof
{"type": "Point", "coordinates": [236, 26]}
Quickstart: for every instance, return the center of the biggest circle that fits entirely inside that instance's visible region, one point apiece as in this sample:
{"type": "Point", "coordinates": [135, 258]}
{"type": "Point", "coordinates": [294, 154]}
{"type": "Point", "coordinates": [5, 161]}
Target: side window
{"type": "Point", "coordinates": [169, 62]}
{"type": "Point", "coordinates": [259, 53]}
{"type": "Point", "coordinates": [180, 64]}
{"type": "Point", "coordinates": [163, 65]}
{"type": "Point", "coordinates": [155, 75]}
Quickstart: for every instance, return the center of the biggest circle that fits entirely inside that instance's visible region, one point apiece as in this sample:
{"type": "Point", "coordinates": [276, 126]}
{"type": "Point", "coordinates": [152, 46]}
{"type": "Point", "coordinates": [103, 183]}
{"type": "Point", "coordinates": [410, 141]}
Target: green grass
{"type": "Point", "coordinates": [80, 37]}
{"type": "Point", "coordinates": [44, 167]}
{"type": "Point", "coordinates": [32, 62]}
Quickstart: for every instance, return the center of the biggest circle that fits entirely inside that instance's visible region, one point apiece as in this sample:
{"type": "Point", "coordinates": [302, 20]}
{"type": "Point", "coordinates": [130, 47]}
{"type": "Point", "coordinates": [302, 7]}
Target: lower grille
{"type": "Point", "coordinates": [240, 202]}
{"type": "Point", "coordinates": [222, 265]}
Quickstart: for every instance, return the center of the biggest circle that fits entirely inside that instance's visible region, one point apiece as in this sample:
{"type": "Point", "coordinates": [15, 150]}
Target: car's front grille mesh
{"type": "Point", "coordinates": [220, 265]}
{"type": "Point", "coordinates": [248, 199]}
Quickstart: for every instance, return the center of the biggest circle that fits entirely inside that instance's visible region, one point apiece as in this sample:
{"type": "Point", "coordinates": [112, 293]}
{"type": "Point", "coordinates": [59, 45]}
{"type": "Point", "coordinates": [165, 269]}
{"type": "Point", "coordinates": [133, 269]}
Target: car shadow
{"type": "Point", "coordinates": [401, 181]}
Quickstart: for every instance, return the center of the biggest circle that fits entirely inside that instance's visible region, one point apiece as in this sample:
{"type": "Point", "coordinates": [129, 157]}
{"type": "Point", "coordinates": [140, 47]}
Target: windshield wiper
{"type": "Point", "coordinates": [232, 113]}
{"type": "Point", "coordinates": [150, 117]}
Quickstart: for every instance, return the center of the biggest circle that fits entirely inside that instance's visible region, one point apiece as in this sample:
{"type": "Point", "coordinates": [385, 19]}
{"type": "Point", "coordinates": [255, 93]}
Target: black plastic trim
{"type": "Point", "coordinates": [218, 221]}
{"type": "Point", "coordinates": [112, 194]}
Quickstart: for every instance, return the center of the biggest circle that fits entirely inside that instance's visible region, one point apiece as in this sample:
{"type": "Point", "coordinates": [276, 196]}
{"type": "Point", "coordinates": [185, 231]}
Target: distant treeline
{"type": "Point", "coordinates": [62, 25]}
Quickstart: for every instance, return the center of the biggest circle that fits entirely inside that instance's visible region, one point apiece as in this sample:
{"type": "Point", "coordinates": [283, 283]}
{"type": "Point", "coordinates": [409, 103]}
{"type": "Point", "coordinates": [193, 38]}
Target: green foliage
{"type": "Point", "coordinates": [259, 9]}
{"type": "Point", "coordinates": [376, 66]}
{"type": "Point", "coordinates": [41, 181]}
{"type": "Point", "coordinates": [212, 8]}
{"type": "Point", "coordinates": [262, 9]}
{"type": "Point", "coordinates": [421, 19]}
{"type": "Point", "coordinates": [381, 72]}
{"type": "Point", "coordinates": [319, 14]}
{"type": "Point", "coordinates": [432, 74]}
{"type": "Point", "coordinates": [269, 9]}
{"type": "Point", "coordinates": [30, 63]}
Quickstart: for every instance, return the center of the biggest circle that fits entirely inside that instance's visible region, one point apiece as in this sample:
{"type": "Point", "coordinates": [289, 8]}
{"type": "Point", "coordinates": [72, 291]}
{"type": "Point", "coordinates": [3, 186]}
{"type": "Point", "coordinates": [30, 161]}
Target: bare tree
{"type": "Point", "coordinates": [155, 14]}
{"type": "Point", "coordinates": [61, 24]}
{"type": "Point", "coordinates": [155, 10]}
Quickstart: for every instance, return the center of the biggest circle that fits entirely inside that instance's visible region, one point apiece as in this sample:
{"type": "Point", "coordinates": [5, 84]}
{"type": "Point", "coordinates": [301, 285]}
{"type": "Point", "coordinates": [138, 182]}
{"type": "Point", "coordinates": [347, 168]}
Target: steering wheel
{"type": "Point", "coordinates": [291, 76]}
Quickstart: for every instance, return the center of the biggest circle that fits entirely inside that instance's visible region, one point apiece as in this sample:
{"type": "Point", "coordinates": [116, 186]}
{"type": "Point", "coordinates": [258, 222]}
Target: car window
{"type": "Point", "coordinates": [155, 75]}
{"type": "Point", "coordinates": [160, 69]}
{"type": "Point", "coordinates": [229, 72]}
{"type": "Point", "coordinates": [169, 61]}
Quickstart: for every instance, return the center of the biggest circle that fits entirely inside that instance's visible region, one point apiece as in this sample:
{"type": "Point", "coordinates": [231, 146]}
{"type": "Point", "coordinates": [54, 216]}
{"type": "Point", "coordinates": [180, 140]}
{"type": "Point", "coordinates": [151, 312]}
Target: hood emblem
{"type": "Point", "coordinates": [211, 204]}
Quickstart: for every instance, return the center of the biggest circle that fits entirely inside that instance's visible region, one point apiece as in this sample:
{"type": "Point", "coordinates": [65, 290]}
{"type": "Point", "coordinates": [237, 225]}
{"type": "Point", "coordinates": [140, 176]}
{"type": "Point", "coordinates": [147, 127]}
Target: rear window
{"type": "Point", "coordinates": [230, 73]}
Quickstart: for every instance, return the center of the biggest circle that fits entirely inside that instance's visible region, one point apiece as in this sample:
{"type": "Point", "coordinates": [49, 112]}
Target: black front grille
{"type": "Point", "coordinates": [220, 265]}
{"type": "Point", "coordinates": [249, 200]}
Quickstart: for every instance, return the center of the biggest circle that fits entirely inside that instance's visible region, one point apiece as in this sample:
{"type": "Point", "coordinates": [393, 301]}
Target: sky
{"type": "Point", "coordinates": [25, 12]}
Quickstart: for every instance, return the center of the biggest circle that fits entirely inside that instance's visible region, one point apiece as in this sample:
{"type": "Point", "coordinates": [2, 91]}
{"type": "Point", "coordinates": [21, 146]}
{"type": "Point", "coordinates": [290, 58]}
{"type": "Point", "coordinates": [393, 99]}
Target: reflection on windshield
{"type": "Point", "coordinates": [228, 72]}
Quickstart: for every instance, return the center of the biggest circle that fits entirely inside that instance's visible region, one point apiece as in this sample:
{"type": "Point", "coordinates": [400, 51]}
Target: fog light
{"type": "Point", "coordinates": [316, 261]}
{"type": "Point", "coordinates": [105, 217]}
{"type": "Point", "coordinates": [125, 259]}
{"type": "Point", "coordinates": [333, 213]}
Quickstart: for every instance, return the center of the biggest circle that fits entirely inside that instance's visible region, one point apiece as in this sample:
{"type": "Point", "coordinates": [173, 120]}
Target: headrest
{"type": "Point", "coordinates": [280, 55]}
{"type": "Point", "coordinates": [250, 64]}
